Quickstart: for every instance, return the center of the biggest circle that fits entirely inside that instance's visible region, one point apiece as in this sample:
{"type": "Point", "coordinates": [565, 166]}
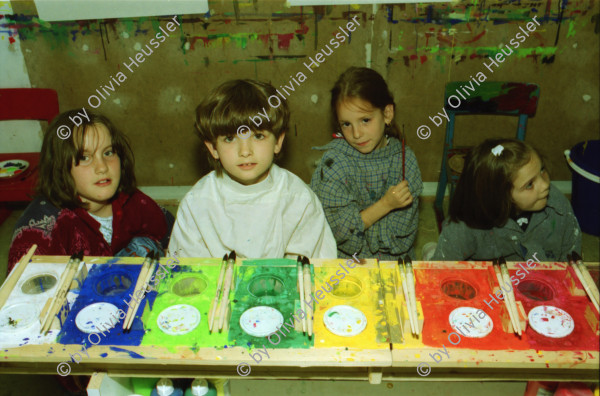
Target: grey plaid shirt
{"type": "Point", "coordinates": [348, 182]}
{"type": "Point", "coordinates": [552, 233]}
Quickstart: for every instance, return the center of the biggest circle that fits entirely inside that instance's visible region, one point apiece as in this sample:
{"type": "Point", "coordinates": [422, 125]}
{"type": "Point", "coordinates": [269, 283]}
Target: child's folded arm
{"type": "Point", "coordinates": [397, 231]}
{"type": "Point", "coordinates": [340, 206]}
{"type": "Point", "coordinates": [343, 215]}
{"type": "Point", "coordinates": [23, 242]}
{"type": "Point", "coordinates": [413, 174]}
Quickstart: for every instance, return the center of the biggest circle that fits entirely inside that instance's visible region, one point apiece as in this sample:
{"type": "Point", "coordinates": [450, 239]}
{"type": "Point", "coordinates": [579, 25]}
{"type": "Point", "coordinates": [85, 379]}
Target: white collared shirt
{"type": "Point", "coordinates": [277, 217]}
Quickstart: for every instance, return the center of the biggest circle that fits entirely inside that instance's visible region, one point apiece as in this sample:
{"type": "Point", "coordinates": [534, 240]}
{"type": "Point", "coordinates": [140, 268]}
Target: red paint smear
{"type": "Point", "coordinates": [443, 38]}
{"type": "Point", "coordinates": [539, 37]}
{"type": "Point", "coordinates": [303, 29]}
{"type": "Point", "coordinates": [423, 59]}
{"type": "Point", "coordinates": [414, 57]}
{"type": "Point", "coordinates": [427, 35]}
{"type": "Point", "coordinates": [193, 40]}
{"type": "Point", "coordinates": [284, 40]}
{"type": "Point", "coordinates": [476, 38]}
{"type": "Point", "coordinates": [264, 38]}
{"type": "Point", "coordinates": [11, 40]}
{"type": "Point", "coordinates": [437, 307]}
{"type": "Point", "coordinates": [508, 101]}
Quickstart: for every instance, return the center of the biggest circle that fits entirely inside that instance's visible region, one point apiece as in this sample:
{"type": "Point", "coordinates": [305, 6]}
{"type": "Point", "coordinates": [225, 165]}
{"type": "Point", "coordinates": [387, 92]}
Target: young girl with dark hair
{"type": "Point", "coordinates": [87, 197]}
{"type": "Point", "coordinates": [371, 208]}
{"type": "Point", "coordinates": [504, 205]}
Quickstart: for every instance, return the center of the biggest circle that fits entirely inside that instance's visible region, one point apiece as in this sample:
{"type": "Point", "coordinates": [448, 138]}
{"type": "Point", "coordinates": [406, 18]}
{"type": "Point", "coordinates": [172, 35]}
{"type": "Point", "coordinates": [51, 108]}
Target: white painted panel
{"type": "Point", "coordinates": [15, 136]}
{"type": "Point", "coordinates": [69, 10]}
{"type": "Point", "coordinates": [20, 136]}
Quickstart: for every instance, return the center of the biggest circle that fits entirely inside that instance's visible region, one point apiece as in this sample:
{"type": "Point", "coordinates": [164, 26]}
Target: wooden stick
{"type": "Point", "coordinates": [508, 307]}
{"type": "Point", "coordinates": [65, 281]}
{"type": "Point", "coordinates": [213, 306]}
{"type": "Point", "coordinates": [307, 294]}
{"type": "Point", "coordinates": [411, 304]}
{"type": "Point", "coordinates": [145, 282]}
{"type": "Point", "coordinates": [63, 290]}
{"type": "Point", "coordinates": [585, 284]}
{"type": "Point", "coordinates": [412, 293]}
{"type": "Point", "coordinates": [511, 295]}
{"type": "Point", "coordinates": [578, 261]}
{"type": "Point", "coordinates": [406, 299]}
{"type": "Point", "coordinates": [225, 297]}
{"type": "Point", "coordinates": [590, 281]}
{"type": "Point", "coordinates": [15, 274]}
{"type": "Point", "coordinates": [299, 271]}
{"type": "Point", "coordinates": [138, 284]}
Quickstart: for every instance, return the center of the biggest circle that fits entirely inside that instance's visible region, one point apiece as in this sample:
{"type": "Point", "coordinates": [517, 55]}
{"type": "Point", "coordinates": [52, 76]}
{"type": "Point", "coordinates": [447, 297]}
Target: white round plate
{"type": "Point", "coordinates": [344, 320]}
{"type": "Point", "coordinates": [17, 317]}
{"type": "Point", "coordinates": [100, 314]}
{"type": "Point", "coordinates": [551, 321]}
{"type": "Point", "coordinates": [261, 321]}
{"type": "Point", "coordinates": [178, 319]}
{"type": "Point", "coordinates": [466, 322]}
{"type": "Point", "coordinates": [12, 168]}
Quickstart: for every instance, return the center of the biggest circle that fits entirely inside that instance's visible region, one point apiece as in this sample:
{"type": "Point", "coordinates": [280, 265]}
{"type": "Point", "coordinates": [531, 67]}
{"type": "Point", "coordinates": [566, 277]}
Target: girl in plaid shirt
{"type": "Point", "coordinates": [367, 181]}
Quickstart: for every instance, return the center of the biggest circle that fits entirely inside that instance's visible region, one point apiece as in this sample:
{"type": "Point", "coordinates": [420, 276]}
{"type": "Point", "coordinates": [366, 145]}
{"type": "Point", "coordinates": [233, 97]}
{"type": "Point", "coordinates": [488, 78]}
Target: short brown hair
{"type": "Point", "coordinates": [365, 84]}
{"type": "Point", "coordinates": [483, 196]}
{"type": "Point", "coordinates": [231, 105]}
{"type": "Point", "coordinates": [55, 182]}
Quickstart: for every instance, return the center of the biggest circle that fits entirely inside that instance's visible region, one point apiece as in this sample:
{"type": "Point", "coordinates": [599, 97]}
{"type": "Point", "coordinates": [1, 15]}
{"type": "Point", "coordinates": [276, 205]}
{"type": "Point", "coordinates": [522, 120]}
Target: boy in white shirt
{"type": "Point", "coordinates": [248, 204]}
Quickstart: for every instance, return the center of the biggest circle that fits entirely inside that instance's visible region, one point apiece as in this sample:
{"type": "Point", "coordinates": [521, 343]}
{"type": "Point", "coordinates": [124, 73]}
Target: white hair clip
{"type": "Point", "coordinates": [498, 150]}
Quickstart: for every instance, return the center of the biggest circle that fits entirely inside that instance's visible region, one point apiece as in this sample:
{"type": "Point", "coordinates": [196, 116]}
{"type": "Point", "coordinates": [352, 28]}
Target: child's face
{"type": "Point", "coordinates": [246, 161]}
{"type": "Point", "coordinates": [98, 174]}
{"type": "Point", "coordinates": [531, 186]}
{"type": "Point", "coordinates": [362, 124]}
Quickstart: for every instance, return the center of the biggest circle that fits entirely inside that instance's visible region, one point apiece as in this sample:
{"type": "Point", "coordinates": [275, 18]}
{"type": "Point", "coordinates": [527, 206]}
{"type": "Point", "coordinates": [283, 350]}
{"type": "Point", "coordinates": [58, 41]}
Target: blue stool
{"type": "Point", "coordinates": [491, 98]}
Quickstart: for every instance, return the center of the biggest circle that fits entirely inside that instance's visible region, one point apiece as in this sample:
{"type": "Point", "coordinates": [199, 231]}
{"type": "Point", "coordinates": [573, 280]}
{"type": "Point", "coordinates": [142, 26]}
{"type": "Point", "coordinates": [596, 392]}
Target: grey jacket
{"type": "Point", "coordinates": [552, 233]}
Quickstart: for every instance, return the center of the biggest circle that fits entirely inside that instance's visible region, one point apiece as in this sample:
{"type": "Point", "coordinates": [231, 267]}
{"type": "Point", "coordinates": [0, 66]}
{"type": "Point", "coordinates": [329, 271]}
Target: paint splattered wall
{"type": "Point", "coordinates": [418, 49]}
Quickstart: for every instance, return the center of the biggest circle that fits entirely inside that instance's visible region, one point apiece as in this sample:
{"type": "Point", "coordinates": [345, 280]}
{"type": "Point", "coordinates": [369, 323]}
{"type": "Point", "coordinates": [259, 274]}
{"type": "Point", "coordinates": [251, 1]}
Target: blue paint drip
{"type": "Point", "coordinates": [390, 15]}
{"type": "Point", "coordinates": [130, 353]}
{"type": "Point", "coordinates": [429, 14]}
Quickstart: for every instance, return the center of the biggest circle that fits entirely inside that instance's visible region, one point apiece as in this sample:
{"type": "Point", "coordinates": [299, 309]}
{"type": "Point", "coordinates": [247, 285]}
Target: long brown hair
{"type": "Point", "coordinates": [368, 85]}
{"type": "Point", "coordinates": [483, 196]}
{"type": "Point", "coordinates": [230, 105]}
{"type": "Point", "coordinates": [59, 155]}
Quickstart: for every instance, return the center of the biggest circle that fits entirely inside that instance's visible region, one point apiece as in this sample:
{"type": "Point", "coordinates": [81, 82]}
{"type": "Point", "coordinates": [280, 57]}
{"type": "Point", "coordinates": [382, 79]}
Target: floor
{"type": "Point", "coordinates": [48, 386]}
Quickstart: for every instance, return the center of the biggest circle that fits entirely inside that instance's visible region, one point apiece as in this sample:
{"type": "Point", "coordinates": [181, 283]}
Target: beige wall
{"type": "Point", "coordinates": [267, 41]}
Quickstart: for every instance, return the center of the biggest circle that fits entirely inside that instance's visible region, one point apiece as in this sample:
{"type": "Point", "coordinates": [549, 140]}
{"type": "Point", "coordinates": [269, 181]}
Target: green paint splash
{"type": "Point", "coordinates": [181, 281]}
{"type": "Point", "coordinates": [258, 277]}
{"type": "Point", "coordinates": [571, 32]}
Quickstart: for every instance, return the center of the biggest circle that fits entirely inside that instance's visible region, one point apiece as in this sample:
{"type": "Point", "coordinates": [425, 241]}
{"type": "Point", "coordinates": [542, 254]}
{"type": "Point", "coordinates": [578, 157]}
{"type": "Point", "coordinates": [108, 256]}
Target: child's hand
{"type": "Point", "coordinates": [398, 196]}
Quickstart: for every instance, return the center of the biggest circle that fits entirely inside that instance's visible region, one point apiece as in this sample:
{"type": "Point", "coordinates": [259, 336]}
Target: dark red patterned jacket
{"type": "Point", "coordinates": [66, 231]}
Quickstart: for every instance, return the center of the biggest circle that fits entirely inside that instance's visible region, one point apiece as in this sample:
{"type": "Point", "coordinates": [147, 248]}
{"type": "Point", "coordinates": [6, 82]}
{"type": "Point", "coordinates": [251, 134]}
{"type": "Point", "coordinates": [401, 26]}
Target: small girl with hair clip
{"type": "Point", "coordinates": [87, 197]}
{"type": "Point", "coordinates": [504, 205]}
{"type": "Point", "coordinates": [368, 182]}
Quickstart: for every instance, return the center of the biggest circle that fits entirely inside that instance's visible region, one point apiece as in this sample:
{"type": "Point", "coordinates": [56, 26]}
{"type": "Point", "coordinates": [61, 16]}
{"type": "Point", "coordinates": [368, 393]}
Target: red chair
{"type": "Point", "coordinates": [24, 104]}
